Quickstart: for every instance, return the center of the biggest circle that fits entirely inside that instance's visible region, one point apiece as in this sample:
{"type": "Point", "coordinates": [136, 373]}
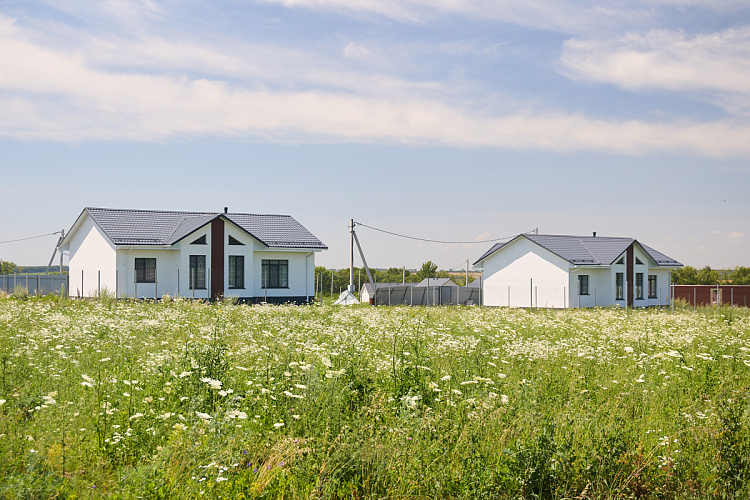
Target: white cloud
{"type": "Point", "coordinates": [565, 16]}
{"type": "Point", "coordinates": [715, 67]}
{"type": "Point", "coordinates": [714, 232]}
{"type": "Point", "coordinates": [735, 236]}
{"type": "Point", "coordinates": [556, 15]}
{"type": "Point", "coordinates": [152, 89]}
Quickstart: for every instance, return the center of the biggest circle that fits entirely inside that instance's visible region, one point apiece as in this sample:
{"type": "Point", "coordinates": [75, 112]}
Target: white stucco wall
{"type": "Point", "coordinates": [531, 274]}
{"type": "Point", "coordinates": [186, 249]}
{"type": "Point", "coordinates": [245, 250]}
{"type": "Point", "coordinates": [301, 273]}
{"type": "Point", "coordinates": [166, 272]}
{"type": "Point", "coordinates": [600, 287]}
{"type": "Point", "coordinates": [91, 261]}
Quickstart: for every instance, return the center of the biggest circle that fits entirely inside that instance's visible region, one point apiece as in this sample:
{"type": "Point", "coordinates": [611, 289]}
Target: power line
{"type": "Point", "coordinates": [434, 241]}
{"type": "Point", "coordinates": [30, 237]}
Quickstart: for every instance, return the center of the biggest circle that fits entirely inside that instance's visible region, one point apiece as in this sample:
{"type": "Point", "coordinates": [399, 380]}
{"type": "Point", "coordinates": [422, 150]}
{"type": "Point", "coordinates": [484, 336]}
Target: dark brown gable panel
{"type": "Point", "coordinates": [630, 273]}
{"type": "Point", "coordinates": [217, 258]}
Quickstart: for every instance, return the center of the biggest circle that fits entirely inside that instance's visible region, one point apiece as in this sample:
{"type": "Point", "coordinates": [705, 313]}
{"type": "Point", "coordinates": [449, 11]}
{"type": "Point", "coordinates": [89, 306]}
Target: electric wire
{"type": "Point", "coordinates": [434, 241]}
{"type": "Point", "coordinates": [30, 237]}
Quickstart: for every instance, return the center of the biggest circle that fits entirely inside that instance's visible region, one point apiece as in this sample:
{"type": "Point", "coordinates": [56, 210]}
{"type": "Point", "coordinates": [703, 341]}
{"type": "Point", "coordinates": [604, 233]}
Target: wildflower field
{"type": "Point", "coordinates": [193, 400]}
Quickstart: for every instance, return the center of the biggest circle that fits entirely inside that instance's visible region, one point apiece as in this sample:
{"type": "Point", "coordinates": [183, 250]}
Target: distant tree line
{"type": "Point", "coordinates": [391, 275]}
{"type": "Point", "coordinates": [689, 275]}
{"type": "Point", "coordinates": [7, 267]}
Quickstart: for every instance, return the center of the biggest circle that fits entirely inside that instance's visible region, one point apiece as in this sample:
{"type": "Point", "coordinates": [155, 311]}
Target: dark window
{"type": "Point", "coordinates": [145, 270]}
{"type": "Point", "coordinates": [234, 241]}
{"type": "Point", "coordinates": [197, 272]}
{"type": "Point", "coordinates": [621, 261]}
{"type": "Point", "coordinates": [583, 284]}
{"type": "Point", "coordinates": [236, 271]}
{"type": "Point", "coordinates": [200, 241]}
{"type": "Point", "coordinates": [638, 261]}
{"type": "Point", "coordinates": [275, 274]}
{"type": "Point", "coordinates": [638, 285]}
{"type": "Point", "coordinates": [619, 289]}
{"type": "Point", "coordinates": [652, 286]}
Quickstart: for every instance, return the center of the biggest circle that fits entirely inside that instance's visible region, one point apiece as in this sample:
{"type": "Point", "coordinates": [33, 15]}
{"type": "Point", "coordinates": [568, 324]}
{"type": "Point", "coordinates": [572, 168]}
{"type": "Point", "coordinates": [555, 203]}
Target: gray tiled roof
{"type": "Point", "coordinates": [368, 286]}
{"type": "Point", "coordinates": [586, 250]}
{"type": "Point", "coordinates": [154, 227]}
{"type": "Point", "coordinates": [437, 282]}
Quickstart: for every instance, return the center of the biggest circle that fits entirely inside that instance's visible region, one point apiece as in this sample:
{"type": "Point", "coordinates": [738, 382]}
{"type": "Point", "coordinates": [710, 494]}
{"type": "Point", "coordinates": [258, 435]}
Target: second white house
{"type": "Point", "coordinates": [556, 271]}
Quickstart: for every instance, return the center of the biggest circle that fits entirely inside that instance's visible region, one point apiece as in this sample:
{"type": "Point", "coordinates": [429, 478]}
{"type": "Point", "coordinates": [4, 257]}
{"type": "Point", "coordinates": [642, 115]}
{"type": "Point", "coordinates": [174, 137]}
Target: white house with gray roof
{"type": "Point", "coordinates": [149, 253]}
{"type": "Point", "coordinates": [535, 270]}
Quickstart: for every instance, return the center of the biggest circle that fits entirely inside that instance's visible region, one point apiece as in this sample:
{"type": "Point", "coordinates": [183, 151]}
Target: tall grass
{"type": "Point", "coordinates": [184, 400]}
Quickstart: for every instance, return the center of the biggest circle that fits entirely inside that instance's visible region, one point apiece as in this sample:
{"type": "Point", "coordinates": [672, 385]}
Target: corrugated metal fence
{"type": "Point", "coordinates": [35, 284]}
{"type": "Point", "coordinates": [427, 296]}
{"type": "Point", "coordinates": [707, 295]}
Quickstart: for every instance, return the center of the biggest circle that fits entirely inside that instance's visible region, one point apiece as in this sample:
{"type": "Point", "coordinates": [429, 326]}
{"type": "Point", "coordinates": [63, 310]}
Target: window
{"type": "Point", "coordinates": [275, 274]}
{"type": "Point", "coordinates": [197, 272]}
{"type": "Point", "coordinates": [236, 271]}
{"type": "Point", "coordinates": [621, 261]}
{"type": "Point", "coordinates": [234, 241]}
{"type": "Point", "coordinates": [652, 286]}
{"type": "Point", "coordinates": [200, 241]}
{"type": "Point", "coordinates": [619, 288]}
{"type": "Point", "coordinates": [638, 261]}
{"type": "Point", "coordinates": [583, 284]}
{"type": "Point", "coordinates": [638, 285]}
{"type": "Point", "coordinates": [145, 270]}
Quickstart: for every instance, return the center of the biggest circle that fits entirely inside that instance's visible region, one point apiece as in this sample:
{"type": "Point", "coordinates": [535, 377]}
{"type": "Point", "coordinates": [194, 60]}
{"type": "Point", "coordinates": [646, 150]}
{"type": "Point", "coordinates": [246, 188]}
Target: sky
{"type": "Point", "coordinates": [450, 120]}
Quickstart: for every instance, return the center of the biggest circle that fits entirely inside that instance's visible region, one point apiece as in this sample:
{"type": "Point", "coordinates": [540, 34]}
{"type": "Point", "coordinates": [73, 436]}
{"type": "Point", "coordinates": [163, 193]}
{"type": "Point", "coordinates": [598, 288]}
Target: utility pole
{"type": "Point", "coordinates": [351, 257]}
{"type": "Point", "coordinates": [364, 262]}
{"type": "Point", "coordinates": [62, 237]}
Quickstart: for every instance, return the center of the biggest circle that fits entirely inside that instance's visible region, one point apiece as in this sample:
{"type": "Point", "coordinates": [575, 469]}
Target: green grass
{"type": "Point", "coordinates": [186, 400]}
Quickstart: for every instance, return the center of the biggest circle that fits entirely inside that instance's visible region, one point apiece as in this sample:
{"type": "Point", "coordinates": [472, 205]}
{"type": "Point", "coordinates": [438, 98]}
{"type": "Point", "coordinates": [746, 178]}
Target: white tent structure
{"type": "Point", "coordinates": [346, 298]}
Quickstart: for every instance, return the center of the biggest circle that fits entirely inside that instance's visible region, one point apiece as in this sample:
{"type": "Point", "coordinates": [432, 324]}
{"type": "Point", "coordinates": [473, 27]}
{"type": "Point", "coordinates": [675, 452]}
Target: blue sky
{"type": "Point", "coordinates": [459, 120]}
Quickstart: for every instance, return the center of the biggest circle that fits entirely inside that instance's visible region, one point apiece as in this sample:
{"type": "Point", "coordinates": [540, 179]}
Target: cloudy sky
{"type": "Point", "coordinates": [454, 120]}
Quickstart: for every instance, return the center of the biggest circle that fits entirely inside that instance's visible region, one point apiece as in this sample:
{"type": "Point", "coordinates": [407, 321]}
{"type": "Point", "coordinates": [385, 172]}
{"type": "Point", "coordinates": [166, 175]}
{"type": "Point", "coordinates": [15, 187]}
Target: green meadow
{"type": "Point", "coordinates": [183, 400]}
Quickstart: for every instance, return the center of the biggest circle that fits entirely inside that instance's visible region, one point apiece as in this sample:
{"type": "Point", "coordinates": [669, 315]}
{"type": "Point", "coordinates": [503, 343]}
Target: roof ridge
{"type": "Point", "coordinates": [582, 237]}
{"type": "Point", "coordinates": [182, 212]}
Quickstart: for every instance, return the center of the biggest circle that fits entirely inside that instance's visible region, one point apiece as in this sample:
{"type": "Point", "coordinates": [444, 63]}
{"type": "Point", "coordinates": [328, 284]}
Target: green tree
{"type": "Point", "coordinates": [708, 276]}
{"type": "Point", "coordinates": [740, 276]}
{"type": "Point", "coordinates": [392, 275]}
{"type": "Point", "coordinates": [7, 267]}
{"type": "Point", "coordinates": [689, 275]}
{"type": "Point", "coordinates": [428, 270]}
